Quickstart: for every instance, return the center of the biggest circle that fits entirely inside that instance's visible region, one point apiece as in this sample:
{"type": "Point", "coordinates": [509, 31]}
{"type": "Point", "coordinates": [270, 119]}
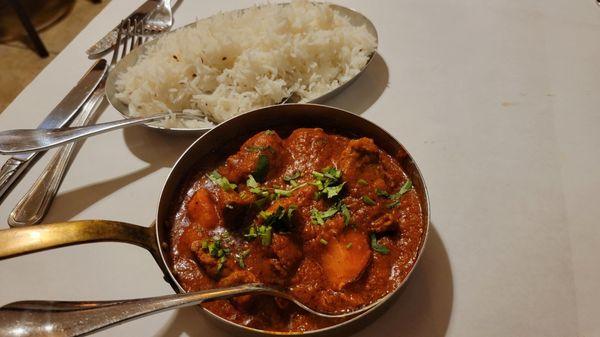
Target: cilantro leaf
{"type": "Point", "coordinates": [368, 201]}
{"type": "Point", "coordinates": [251, 182]}
{"type": "Point", "coordinates": [345, 213]}
{"type": "Point", "coordinates": [405, 188]}
{"type": "Point", "coordinates": [221, 181]}
{"type": "Point", "coordinates": [381, 249]}
{"type": "Point", "coordinates": [262, 168]}
{"type": "Point", "coordinates": [333, 191]}
{"type": "Point", "coordinates": [290, 177]}
{"type": "Point", "coordinates": [319, 217]}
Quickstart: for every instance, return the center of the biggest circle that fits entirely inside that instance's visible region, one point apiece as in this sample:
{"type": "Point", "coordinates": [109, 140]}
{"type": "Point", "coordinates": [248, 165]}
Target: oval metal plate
{"type": "Point", "coordinates": [355, 17]}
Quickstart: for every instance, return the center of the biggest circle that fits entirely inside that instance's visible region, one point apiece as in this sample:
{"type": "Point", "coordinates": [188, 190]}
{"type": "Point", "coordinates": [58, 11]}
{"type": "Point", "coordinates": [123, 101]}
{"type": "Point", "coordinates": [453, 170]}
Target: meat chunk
{"type": "Point", "coordinates": [359, 160]}
{"type": "Point", "coordinates": [236, 278]}
{"type": "Point", "coordinates": [312, 149]}
{"type": "Point", "coordinates": [287, 251]}
{"type": "Point", "coordinates": [263, 156]}
{"type": "Point", "coordinates": [345, 259]}
{"type": "Point", "coordinates": [233, 205]}
{"type": "Point", "coordinates": [385, 223]}
{"type": "Point", "coordinates": [202, 210]}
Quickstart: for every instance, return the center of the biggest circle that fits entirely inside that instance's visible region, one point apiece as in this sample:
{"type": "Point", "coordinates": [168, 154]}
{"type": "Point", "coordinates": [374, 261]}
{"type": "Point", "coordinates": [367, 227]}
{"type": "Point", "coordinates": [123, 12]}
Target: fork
{"type": "Point", "coordinates": [34, 205]}
{"type": "Point", "coordinates": [160, 19]}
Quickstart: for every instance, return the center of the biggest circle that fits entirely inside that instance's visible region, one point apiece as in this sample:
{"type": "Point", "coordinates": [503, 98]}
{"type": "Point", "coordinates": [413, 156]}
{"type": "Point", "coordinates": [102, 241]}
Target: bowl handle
{"type": "Point", "coordinates": [19, 241]}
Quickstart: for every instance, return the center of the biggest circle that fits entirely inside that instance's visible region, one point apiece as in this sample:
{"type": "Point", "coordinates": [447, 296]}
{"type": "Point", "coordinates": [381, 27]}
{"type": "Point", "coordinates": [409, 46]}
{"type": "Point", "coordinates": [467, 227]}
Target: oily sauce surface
{"type": "Point", "coordinates": [333, 220]}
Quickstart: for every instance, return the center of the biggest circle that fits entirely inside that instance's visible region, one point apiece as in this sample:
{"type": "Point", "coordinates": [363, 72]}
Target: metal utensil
{"type": "Point", "coordinates": [16, 166]}
{"type": "Point", "coordinates": [108, 41]}
{"type": "Point", "coordinates": [209, 151]}
{"type": "Point", "coordinates": [161, 18]}
{"type": "Point", "coordinates": [66, 319]}
{"type": "Point", "coordinates": [35, 203]}
{"type": "Point", "coordinates": [31, 140]}
{"type": "Point", "coordinates": [356, 19]}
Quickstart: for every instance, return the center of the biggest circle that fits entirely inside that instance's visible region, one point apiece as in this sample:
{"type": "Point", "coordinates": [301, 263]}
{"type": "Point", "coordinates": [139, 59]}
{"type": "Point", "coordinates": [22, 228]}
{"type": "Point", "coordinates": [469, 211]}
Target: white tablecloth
{"type": "Point", "coordinates": [495, 99]}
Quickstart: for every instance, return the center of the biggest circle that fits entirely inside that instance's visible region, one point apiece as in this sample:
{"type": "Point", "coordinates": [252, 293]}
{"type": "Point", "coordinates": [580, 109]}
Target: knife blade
{"type": "Point", "coordinates": [17, 165]}
{"type": "Point", "coordinates": [109, 39]}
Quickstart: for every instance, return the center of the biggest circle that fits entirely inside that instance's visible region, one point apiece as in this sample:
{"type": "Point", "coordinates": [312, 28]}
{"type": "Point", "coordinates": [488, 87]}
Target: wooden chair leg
{"type": "Point", "coordinates": [26, 22]}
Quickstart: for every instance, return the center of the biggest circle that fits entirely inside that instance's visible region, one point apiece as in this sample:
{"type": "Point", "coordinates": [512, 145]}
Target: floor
{"type": "Point", "coordinates": [61, 21]}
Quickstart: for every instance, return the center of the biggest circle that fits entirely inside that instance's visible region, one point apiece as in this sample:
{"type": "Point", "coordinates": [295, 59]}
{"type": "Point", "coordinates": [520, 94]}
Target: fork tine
{"type": "Point", "coordinates": [115, 55]}
{"type": "Point", "coordinates": [140, 39]}
{"type": "Point", "coordinates": [132, 34]}
{"type": "Point", "coordinates": [127, 35]}
{"type": "Point", "coordinates": [138, 32]}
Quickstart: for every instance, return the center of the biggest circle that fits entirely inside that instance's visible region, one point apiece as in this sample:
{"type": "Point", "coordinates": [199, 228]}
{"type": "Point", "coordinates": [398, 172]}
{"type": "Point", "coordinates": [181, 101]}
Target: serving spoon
{"type": "Point", "coordinates": [55, 318]}
{"type": "Point", "coordinates": [33, 140]}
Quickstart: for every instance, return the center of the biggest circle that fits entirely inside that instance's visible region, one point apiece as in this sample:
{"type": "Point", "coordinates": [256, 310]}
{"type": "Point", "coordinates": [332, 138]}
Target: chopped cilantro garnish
{"type": "Point", "coordinates": [319, 217]}
{"type": "Point", "coordinates": [362, 182]}
{"type": "Point", "coordinates": [290, 177]}
{"type": "Point", "coordinates": [368, 200]}
{"type": "Point", "coordinates": [264, 233]}
{"type": "Point", "coordinates": [251, 233]}
{"type": "Point", "coordinates": [221, 263]}
{"type": "Point", "coordinates": [239, 258]}
{"type": "Point", "coordinates": [405, 188]}
{"type": "Point", "coordinates": [323, 241]}
{"type": "Point", "coordinates": [381, 249]}
{"type": "Point", "coordinates": [349, 245]}
{"type": "Point", "coordinates": [332, 191]}
{"type": "Point", "coordinates": [286, 193]}
{"type": "Point", "coordinates": [216, 249]}
{"type": "Point", "coordinates": [328, 182]}
{"type": "Point", "coordinates": [218, 179]}
{"type": "Point", "coordinates": [269, 132]}
{"type": "Point", "coordinates": [393, 204]}
{"type": "Point", "coordinates": [251, 182]}
{"type": "Point", "coordinates": [282, 193]}
{"type": "Point", "coordinates": [262, 168]}
{"type": "Point", "coordinates": [260, 203]}
{"type": "Point", "coordinates": [382, 193]}
{"type": "Point", "coordinates": [345, 213]}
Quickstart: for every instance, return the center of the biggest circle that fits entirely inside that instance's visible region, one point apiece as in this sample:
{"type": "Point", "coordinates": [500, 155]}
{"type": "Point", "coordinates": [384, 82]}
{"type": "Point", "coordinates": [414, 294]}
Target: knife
{"type": "Point", "coordinates": [15, 166]}
{"type": "Point", "coordinates": [109, 39]}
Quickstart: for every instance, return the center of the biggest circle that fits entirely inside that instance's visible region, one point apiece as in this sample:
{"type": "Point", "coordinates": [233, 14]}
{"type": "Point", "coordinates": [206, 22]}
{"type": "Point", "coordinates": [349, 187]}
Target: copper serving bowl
{"type": "Point", "coordinates": [207, 152]}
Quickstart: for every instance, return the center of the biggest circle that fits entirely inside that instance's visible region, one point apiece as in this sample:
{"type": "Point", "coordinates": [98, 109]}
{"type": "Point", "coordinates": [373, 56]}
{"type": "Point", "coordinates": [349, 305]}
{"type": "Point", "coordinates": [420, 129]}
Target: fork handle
{"type": "Point", "coordinates": [33, 140]}
{"type": "Point", "coordinates": [34, 205]}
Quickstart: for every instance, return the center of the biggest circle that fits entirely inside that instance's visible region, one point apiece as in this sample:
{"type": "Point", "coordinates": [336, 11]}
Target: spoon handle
{"type": "Point", "coordinates": [48, 318]}
{"type": "Point", "coordinates": [33, 140]}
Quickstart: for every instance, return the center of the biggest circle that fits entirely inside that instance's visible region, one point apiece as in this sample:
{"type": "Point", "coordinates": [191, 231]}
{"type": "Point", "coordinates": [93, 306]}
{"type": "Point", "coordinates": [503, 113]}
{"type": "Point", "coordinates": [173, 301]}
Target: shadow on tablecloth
{"type": "Point", "coordinates": [422, 309]}
{"type": "Point", "coordinates": [366, 90]}
{"type": "Point", "coordinates": [156, 149]}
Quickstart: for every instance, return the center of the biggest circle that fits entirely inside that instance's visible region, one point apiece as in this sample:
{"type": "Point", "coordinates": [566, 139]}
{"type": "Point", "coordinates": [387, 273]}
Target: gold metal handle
{"type": "Point", "coordinates": [19, 241]}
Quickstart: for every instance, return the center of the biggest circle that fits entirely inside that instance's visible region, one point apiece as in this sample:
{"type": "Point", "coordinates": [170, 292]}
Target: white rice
{"type": "Point", "coordinates": [234, 62]}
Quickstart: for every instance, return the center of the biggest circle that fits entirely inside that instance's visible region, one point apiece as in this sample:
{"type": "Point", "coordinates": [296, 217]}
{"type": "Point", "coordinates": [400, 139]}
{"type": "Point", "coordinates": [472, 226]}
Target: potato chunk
{"type": "Point", "coordinates": [345, 259]}
{"type": "Point", "coordinates": [202, 211]}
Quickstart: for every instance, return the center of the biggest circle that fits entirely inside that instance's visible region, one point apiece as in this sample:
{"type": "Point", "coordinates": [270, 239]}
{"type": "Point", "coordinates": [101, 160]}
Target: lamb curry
{"type": "Point", "coordinates": [335, 221]}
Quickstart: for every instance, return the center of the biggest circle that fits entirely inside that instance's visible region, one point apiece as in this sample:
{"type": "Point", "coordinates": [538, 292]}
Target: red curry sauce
{"type": "Point", "coordinates": [333, 220]}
